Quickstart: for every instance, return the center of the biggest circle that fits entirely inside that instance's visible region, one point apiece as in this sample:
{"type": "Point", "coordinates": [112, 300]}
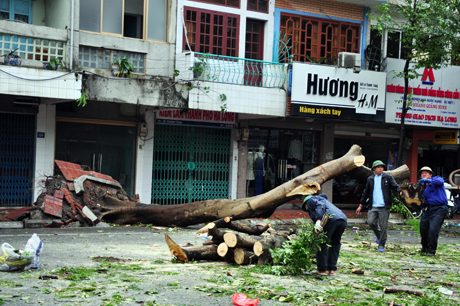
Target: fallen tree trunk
{"type": "Point", "coordinates": [210, 210]}
{"type": "Point", "coordinates": [400, 174]}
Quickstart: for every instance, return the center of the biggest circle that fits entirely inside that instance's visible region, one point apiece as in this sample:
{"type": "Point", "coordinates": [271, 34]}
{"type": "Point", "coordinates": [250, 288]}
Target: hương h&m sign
{"type": "Point", "coordinates": [330, 92]}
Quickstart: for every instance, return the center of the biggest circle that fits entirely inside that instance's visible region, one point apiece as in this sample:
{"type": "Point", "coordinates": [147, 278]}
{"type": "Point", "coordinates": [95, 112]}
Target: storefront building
{"type": "Point", "coordinates": [432, 121]}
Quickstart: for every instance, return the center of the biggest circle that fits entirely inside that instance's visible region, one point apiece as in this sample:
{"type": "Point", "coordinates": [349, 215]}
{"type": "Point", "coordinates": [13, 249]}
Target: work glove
{"type": "Point", "coordinates": [318, 226]}
{"type": "Point", "coordinates": [423, 181]}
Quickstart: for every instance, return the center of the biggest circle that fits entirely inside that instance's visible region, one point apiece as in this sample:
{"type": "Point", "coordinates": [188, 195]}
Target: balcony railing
{"type": "Point", "coordinates": [240, 71]}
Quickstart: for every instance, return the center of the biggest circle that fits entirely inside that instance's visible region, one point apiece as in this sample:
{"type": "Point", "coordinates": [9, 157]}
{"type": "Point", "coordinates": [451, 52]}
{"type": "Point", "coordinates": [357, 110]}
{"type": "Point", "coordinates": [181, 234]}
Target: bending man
{"type": "Point", "coordinates": [326, 257]}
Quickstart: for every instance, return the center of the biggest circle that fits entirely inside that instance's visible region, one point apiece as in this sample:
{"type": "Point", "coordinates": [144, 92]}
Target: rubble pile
{"type": "Point", "coordinates": [74, 197]}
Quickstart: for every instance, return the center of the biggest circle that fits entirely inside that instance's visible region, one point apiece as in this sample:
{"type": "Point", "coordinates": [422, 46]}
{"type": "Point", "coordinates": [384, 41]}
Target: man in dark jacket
{"type": "Point", "coordinates": [326, 257]}
{"type": "Point", "coordinates": [435, 209]}
{"type": "Point", "coordinates": [377, 197]}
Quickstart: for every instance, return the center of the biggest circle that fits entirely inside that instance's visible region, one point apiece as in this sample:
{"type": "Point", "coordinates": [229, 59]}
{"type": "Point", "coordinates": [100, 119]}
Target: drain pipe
{"type": "Point", "coordinates": [72, 12]}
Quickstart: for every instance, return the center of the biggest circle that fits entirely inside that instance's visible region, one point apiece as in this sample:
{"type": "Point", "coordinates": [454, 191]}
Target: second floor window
{"type": "Point", "coordinates": [18, 10]}
{"type": "Point", "coordinates": [211, 32]}
{"type": "Point", "coordinates": [142, 19]}
{"type": "Point", "coordinates": [318, 40]}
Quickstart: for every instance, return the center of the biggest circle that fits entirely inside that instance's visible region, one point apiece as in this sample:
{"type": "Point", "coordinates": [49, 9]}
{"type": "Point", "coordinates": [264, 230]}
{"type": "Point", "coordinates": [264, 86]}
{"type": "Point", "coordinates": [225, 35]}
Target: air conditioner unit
{"type": "Point", "coordinates": [349, 60]}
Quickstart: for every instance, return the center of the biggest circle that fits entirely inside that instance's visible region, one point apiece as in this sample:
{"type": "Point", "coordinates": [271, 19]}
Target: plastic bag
{"type": "Point", "coordinates": [241, 299]}
{"type": "Point", "coordinates": [12, 260]}
{"type": "Point", "coordinates": [33, 248]}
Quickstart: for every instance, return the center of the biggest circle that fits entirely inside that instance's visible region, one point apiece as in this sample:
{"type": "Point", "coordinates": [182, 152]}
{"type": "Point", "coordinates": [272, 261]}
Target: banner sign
{"type": "Point", "coordinates": [436, 99]}
{"type": "Point", "coordinates": [445, 137]}
{"type": "Point", "coordinates": [196, 117]}
{"type": "Point", "coordinates": [331, 92]}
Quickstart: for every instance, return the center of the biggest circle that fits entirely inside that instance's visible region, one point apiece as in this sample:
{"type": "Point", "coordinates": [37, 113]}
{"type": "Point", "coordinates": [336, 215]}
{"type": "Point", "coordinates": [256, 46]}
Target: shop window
{"type": "Point", "coordinates": [278, 156]}
{"type": "Point", "coordinates": [318, 40]}
{"type": "Point", "coordinates": [141, 19]}
{"type": "Point", "coordinates": [231, 3]}
{"type": "Point", "coordinates": [211, 32]}
{"type": "Point", "coordinates": [18, 10]}
{"type": "Point", "coordinates": [258, 6]}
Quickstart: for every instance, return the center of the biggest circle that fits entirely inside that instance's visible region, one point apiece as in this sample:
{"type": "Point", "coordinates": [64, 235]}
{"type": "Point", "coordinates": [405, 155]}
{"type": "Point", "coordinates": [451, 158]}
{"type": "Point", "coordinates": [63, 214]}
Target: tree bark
{"type": "Point", "coordinates": [226, 222]}
{"type": "Point", "coordinates": [210, 210]}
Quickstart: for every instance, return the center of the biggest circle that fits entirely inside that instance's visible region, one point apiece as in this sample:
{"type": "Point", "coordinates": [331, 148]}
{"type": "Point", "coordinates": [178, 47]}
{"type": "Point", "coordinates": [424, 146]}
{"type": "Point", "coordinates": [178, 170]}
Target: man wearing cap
{"type": "Point", "coordinates": [326, 257]}
{"type": "Point", "coordinates": [435, 209]}
{"type": "Point", "coordinates": [377, 197]}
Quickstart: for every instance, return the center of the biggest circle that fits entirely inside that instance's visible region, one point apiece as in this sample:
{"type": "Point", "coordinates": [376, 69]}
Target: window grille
{"type": "Point", "coordinates": [103, 58]}
{"type": "Point", "coordinates": [32, 48]}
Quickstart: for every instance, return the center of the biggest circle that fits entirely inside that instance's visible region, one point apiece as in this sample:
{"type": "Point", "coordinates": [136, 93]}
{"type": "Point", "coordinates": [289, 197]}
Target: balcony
{"type": "Point", "coordinates": [231, 70]}
{"type": "Point", "coordinates": [34, 45]}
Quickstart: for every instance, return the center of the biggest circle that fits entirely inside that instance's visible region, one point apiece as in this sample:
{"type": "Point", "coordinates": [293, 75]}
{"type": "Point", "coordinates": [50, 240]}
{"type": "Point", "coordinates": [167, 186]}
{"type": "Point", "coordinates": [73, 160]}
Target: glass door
{"type": "Point", "coordinates": [106, 149]}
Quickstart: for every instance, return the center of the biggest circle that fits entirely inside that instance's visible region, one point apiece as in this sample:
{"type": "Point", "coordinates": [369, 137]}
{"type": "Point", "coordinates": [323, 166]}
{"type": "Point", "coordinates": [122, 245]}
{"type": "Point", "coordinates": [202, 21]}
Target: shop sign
{"type": "Point", "coordinates": [331, 92]}
{"type": "Point", "coordinates": [435, 100]}
{"type": "Point", "coordinates": [446, 137]}
{"type": "Point", "coordinates": [196, 117]}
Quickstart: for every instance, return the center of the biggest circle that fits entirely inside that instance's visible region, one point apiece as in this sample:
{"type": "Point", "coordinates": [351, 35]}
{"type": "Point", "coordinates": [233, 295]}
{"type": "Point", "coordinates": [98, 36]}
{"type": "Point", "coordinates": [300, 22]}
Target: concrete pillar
{"type": "Point", "coordinates": [144, 161]}
{"type": "Point", "coordinates": [45, 141]}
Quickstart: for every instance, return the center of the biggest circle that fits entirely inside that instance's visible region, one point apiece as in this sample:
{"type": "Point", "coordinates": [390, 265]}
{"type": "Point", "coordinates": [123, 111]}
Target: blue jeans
{"type": "Point", "coordinates": [326, 257]}
{"type": "Point", "coordinates": [430, 225]}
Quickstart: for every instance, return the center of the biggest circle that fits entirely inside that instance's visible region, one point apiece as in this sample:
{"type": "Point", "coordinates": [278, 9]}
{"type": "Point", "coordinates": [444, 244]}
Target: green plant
{"type": "Point", "coordinates": [398, 207]}
{"type": "Point", "coordinates": [54, 63]}
{"type": "Point", "coordinates": [200, 65]}
{"type": "Point", "coordinates": [296, 254]}
{"type": "Point", "coordinates": [82, 100]}
{"type": "Point", "coordinates": [415, 223]}
{"type": "Point", "coordinates": [125, 66]}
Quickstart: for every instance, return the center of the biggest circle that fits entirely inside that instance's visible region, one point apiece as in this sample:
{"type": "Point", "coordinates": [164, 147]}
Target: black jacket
{"type": "Point", "coordinates": [388, 184]}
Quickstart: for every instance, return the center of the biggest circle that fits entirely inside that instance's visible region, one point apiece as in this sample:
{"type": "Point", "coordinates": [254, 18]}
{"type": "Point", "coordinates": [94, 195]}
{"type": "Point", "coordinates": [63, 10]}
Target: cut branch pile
{"type": "Point", "coordinates": [232, 246]}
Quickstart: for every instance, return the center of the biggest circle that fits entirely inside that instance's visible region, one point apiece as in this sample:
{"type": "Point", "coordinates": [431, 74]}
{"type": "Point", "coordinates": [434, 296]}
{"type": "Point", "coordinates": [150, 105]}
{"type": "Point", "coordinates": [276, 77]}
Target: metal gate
{"type": "Point", "coordinates": [16, 159]}
{"type": "Point", "coordinates": [190, 164]}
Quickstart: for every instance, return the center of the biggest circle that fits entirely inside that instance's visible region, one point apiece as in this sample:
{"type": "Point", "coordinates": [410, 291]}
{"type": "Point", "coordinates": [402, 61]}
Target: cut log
{"type": "Point", "coordinates": [207, 252]}
{"type": "Point", "coordinates": [225, 252]}
{"type": "Point", "coordinates": [245, 257]}
{"type": "Point", "coordinates": [226, 222]}
{"type": "Point", "coordinates": [398, 290]}
{"type": "Point", "coordinates": [234, 240]}
{"type": "Point", "coordinates": [268, 242]}
{"type": "Point", "coordinates": [210, 210]}
{"type": "Point", "coordinates": [222, 249]}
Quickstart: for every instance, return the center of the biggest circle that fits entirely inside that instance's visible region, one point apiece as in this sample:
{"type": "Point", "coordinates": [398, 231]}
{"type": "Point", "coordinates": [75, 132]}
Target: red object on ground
{"type": "Point", "coordinates": [241, 299]}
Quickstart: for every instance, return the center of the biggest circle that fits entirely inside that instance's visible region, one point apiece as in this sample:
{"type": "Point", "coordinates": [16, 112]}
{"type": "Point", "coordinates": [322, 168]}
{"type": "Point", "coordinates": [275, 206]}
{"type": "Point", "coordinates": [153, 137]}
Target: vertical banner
{"type": "Point", "coordinates": [392, 160]}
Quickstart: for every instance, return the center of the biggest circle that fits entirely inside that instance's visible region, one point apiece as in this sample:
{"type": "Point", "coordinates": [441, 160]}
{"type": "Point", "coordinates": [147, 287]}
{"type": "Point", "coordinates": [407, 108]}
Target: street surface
{"type": "Point", "coordinates": [138, 271]}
